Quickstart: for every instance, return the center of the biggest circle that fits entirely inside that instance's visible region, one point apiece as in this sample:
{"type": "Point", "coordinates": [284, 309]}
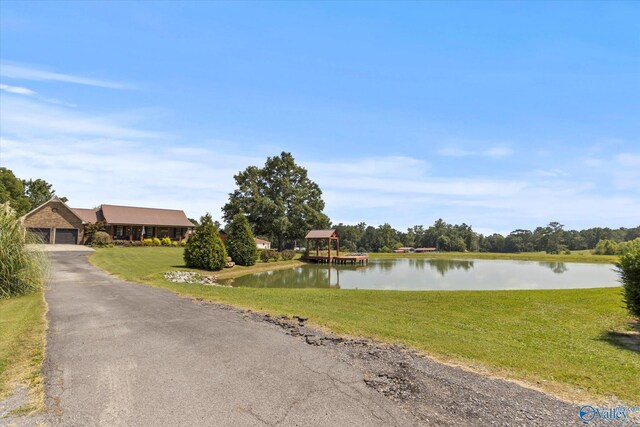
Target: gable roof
{"type": "Point", "coordinates": [145, 216]}
{"type": "Point", "coordinates": [321, 234]}
{"type": "Point", "coordinates": [53, 199]}
{"type": "Point", "coordinates": [261, 240]}
{"type": "Point", "coordinates": [87, 215]}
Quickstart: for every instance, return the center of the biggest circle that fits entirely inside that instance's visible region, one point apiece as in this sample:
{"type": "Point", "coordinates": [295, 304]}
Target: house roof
{"type": "Point", "coordinates": [87, 215]}
{"type": "Point", "coordinates": [53, 199]}
{"type": "Point", "coordinates": [261, 241]}
{"type": "Point", "coordinates": [144, 216]}
{"type": "Point", "coordinates": [321, 234]}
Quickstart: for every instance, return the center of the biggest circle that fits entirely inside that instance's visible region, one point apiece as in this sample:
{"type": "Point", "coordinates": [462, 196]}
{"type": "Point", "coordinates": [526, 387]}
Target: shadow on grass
{"type": "Point", "coordinates": [626, 340]}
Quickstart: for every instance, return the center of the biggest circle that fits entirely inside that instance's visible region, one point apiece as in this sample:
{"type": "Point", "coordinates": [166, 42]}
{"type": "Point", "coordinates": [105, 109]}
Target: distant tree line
{"type": "Point", "coordinates": [552, 238]}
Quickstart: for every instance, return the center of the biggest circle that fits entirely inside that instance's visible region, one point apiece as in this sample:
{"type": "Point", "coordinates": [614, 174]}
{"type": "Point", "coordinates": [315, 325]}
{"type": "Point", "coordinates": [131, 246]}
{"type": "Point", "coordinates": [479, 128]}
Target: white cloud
{"type": "Point", "coordinates": [18, 90]}
{"type": "Point", "coordinates": [95, 159]}
{"type": "Point", "coordinates": [493, 152]}
{"type": "Point", "coordinates": [37, 118]}
{"type": "Point", "coordinates": [25, 72]}
{"type": "Point", "coordinates": [552, 173]}
{"type": "Point", "coordinates": [629, 159]}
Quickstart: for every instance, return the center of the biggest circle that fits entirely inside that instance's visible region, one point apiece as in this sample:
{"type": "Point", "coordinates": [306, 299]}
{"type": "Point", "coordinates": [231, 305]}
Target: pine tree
{"type": "Point", "coordinates": [240, 241]}
{"type": "Point", "coordinates": [204, 248]}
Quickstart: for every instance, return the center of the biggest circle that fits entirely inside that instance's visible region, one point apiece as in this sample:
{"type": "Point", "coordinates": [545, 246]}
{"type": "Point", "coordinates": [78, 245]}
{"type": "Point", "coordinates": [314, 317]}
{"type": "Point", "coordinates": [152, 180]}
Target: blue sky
{"type": "Point", "coordinates": [501, 115]}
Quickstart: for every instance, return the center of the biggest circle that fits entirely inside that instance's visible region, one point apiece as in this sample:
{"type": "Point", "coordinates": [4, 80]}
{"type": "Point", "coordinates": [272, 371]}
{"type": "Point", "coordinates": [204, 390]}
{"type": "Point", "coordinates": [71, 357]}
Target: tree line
{"type": "Point", "coordinates": [552, 238]}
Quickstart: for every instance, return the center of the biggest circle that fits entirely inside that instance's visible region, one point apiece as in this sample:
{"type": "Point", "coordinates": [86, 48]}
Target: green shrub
{"type": "Point", "coordinates": [147, 242]}
{"type": "Point", "coordinates": [265, 255]}
{"type": "Point", "coordinates": [174, 244]}
{"type": "Point", "coordinates": [136, 243]}
{"type": "Point", "coordinates": [274, 255]}
{"type": "Point", "coordinates": [165, 241]}
{"type": "Point", "coordinates": [204, 248]}
{"type": "Point", "coordinates": [240, 242]}
{"type": "Point", "coordinates": [22, 270]}
{"type": "Point", "coordinates": [183, 243]}
{"type": "Point", "coordinates": [101, 239]}
{"type": "Point", "coordinates": [91, 229]}
{"type": "Point", "coordinates": [156, 242]}
{"type": "Point", "coordinates": [287, 254]}
{"type": "Point", "coordinates": [606, 247]}
{"type": "Point", "coordinates": [629, 271]}
{"type": "Point", "coordinates": [630, 246]}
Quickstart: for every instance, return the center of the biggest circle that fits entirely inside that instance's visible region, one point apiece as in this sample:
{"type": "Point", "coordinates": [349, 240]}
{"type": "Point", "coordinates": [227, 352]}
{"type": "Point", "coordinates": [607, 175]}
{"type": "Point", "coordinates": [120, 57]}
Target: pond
{"type": "Point", "coordinates": [437, 274]}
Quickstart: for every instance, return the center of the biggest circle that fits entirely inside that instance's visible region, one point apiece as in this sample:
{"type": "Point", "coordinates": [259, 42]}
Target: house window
{"type": "Point", "coordinates": [148, 232]}
{"type": "Point", "coordinates": [119, 231]}
{"type": "Point", "coordinates": [177, 233]}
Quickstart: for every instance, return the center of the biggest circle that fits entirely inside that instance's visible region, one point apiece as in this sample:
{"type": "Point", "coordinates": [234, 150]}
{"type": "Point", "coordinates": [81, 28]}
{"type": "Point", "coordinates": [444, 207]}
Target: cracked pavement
{"type": "Point", "coordinates": [126, 354]}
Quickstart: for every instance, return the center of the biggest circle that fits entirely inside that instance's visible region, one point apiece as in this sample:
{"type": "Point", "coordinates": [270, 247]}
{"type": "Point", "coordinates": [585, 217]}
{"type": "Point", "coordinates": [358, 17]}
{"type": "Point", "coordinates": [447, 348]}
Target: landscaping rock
{"type": "Point", "coordinates": [190, 277]}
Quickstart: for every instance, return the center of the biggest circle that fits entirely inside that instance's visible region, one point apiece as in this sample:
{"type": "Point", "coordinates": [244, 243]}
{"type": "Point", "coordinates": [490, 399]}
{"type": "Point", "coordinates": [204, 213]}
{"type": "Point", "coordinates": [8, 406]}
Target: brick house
{"type": "Point", "coordinates": [55, 222]}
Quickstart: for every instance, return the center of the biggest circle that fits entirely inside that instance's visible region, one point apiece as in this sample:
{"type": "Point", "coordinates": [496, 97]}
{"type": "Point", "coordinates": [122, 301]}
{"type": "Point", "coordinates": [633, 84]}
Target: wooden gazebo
{"type": "Point", "coordinates": [320, 235]}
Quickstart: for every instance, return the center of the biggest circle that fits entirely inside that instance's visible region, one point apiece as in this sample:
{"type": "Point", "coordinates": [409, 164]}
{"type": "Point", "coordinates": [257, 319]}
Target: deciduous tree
{"type": "Point", "coordinates": [279, 199]}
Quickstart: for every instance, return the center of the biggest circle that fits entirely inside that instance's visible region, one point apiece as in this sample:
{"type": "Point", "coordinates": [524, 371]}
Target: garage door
{"type": "Point", "coordinates": [41, 233]}
{"type": "Point", "coordinates": [66, 236]}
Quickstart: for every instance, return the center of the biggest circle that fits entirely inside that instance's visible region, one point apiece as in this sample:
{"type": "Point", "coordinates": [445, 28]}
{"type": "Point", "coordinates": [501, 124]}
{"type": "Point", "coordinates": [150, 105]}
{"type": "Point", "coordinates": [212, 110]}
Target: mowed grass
{"type": "Point", "coordinates": [561, 341]}
{"type": "Point", "coordinates": [22, 341]}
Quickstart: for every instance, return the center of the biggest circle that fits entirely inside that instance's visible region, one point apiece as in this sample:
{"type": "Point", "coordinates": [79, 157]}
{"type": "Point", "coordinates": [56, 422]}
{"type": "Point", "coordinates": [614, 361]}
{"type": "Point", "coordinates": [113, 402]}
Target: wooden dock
{"type": "Point", "coordinates": [343, 259]}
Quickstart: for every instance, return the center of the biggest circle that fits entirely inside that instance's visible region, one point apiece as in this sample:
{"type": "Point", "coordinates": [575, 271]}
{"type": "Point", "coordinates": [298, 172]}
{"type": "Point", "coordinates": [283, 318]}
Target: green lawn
{"type": "Point", "coordinates": [22, 340]}
{"type": "Point", "coordinates": [563, 341]}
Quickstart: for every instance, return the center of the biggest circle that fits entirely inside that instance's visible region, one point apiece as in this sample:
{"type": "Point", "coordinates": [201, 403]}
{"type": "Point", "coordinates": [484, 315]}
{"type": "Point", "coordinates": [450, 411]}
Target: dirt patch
{"type": "Point", "coordinates": [435, 393]}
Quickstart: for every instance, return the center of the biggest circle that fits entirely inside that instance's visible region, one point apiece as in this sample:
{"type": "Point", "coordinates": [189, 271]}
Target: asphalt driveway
{"type": "Point", "coordinates": [125, 354]}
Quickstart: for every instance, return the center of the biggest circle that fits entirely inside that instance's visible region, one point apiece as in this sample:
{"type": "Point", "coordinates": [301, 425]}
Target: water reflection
{"type": "Point", "coordinates": [556, 267]}
{"type": "Point", "coordinates": [443, 274]}
{"type": "Point", "coordinates": [287, 278]}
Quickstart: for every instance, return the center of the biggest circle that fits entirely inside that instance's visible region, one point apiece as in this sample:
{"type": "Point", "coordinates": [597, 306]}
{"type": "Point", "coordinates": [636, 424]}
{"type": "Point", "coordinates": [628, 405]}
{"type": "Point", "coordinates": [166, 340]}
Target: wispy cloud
{"type": "Point", "coordinates": [25, 72]}
{"type": "Point", "coordinates": [21, 114]}
{"type": "Point", "coordinates": [113, 158]}
{"type": "Point", "coordinates": [552, 173]}
{"type": "Point", "coordinates": [18, 90]}
{"type": "Point", "coordinates": [629, 159]}
{"type": "Point", "coordinates": [494, 152]}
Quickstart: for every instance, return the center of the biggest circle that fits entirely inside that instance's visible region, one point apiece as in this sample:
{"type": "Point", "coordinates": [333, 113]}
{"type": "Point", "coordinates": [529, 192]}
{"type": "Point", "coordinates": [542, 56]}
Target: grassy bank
{"type": "Point", "coordinates": [563, 341]}
{"type": "Point", "coordinates": [22, 341]}
{"type": "Point", "coordinates": [575, 256]}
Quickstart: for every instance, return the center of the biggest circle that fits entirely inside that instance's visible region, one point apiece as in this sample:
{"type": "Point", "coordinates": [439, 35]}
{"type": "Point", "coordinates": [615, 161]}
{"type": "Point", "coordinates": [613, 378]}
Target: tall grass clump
{"type": "Point", "coordinates": [22, 269]}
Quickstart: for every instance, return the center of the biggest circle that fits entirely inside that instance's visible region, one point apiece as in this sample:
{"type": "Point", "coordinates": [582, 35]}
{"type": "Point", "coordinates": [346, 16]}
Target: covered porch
{"type": "Point", "coordinates": [140, 232]}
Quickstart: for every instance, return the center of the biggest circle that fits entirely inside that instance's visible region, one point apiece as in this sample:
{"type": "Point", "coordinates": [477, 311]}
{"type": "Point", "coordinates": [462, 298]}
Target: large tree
{"type": "Point", "coordinates": [279, 199]}
{"type": "Point", "coordinates": [24, 195]}
{"type": "Point", "coordinates": [39, 191]}
{"type": "Point", "coordinates": [12, 191]}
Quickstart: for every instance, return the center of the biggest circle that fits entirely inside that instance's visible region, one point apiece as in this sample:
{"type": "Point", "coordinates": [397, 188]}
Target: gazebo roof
{"type": "Point", "coordinates": [321, 234]}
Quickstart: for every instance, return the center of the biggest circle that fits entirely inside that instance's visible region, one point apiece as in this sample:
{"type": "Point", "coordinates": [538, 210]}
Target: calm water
{"type": "Point", "coordinates": [430, 274]}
